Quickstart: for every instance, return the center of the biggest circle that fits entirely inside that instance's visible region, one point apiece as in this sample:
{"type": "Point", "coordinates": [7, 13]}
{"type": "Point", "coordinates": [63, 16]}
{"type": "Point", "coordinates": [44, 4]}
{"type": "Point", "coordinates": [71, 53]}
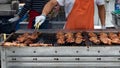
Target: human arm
{"type": "Point", "coordinates": [49, 6]}
{"type": "Point", "coordinates": [46, 10]}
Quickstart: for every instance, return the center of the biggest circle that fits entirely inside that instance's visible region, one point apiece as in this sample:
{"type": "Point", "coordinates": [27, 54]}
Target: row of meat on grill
{"type": "Point", "coordinates": [26, 39]}
{"type": "Point", "coordinates": [96, 38]}
{"type": "Point", "coordinates": [62, 38]}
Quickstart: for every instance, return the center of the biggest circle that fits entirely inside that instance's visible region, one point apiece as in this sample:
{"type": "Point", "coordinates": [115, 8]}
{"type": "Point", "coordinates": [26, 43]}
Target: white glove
{"type": "Point", "coordinates": [39, 20]}
{"type": "Point", "coordinates": [16, 18]}
{"type": "Point", "coordinates": [103, 27]}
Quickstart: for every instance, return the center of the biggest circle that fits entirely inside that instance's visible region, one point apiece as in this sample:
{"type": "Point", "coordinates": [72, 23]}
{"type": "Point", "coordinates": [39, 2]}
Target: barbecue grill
{"type": "Point", "coordinates": [60, 56]}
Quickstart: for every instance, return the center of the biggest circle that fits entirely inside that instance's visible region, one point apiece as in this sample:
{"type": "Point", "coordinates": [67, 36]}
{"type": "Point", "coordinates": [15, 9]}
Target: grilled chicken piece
{"type": "Point", "coordinates": [103, 34]}
{"type": "Point", "coordinates": [69, 37]}
{"type": "Point", "coordinates": [28, 41]}
{"type": "Point", "coordinates": [61, 41]}
{"type": "Point", "coordinates": [78, 38]}
{"type": "Point", "coordinates": [94, 40]}
{"type": "Point", "coordinates": [34, 35]}
{"type": "Point", "coordinates": [116, 40]}
{"type": "Point", "coordinates": [7, 44]}
{"type": "Point", "coordinates": [91, 34]}
{"type": "Point", "coordinates": [59, 34]}
{"type": "Point", "coordinates": [22, 39]}
{"type": "Point", "coordinates": [104, 38]}
{"type": "Point", "coordinates": [28, 38]}
{"type": "Point", "coordinates": [60, 38]}
{"type": "Point", "coordinates": [114, 37]}
{"type": "Point", "coordinates": [78, 35]}
{"type": "Point", "coordinates": [70, 40]}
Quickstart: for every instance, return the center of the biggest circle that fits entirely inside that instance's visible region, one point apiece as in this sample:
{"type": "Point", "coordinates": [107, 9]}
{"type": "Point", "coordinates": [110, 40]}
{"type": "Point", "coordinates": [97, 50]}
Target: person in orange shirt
{"type": "Point", "coordinates": [79, 13]}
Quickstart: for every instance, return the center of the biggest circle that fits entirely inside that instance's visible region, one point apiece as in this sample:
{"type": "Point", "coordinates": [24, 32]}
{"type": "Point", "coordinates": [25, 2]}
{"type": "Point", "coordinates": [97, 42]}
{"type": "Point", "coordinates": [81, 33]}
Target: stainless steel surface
{"type": "Point", "coordinates": [61, 57]}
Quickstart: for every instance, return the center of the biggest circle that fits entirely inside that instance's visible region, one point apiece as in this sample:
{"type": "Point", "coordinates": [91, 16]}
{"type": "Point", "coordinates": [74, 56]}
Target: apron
{"type": "Point", "coordinates": [82, 16]}
{"type": "Point", "coordinates": [32, 15]}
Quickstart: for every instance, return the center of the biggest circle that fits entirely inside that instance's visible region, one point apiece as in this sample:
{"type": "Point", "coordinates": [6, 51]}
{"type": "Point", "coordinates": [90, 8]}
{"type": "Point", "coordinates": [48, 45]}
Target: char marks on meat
{"type": "Point", "coordinates": [23, 40]}
{"type": "Point", "coordinates": [93, 38]}
{"type": "Point", "coordinates": [105, 39]}
{"type": "Point", "coordinates": [60, 38]}
{"type": "Point", "coordinates": [28, 38]}
{"type": "Point", "coordinates": [69, 37]}
{"type": "Point", "coordinates": [78, 38]}
{"type": "Point", "coordinates": [114, 38]}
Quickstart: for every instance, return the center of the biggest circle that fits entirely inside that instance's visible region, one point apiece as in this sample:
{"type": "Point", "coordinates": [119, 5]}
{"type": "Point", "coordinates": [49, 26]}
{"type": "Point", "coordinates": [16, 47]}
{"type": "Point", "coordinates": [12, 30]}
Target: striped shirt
{"type": "Point", "coordinates": [36, 5]}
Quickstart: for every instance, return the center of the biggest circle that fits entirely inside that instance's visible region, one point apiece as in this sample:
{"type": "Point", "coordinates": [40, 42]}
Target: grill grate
{"type": "Point", "coordinates": [50, 38]}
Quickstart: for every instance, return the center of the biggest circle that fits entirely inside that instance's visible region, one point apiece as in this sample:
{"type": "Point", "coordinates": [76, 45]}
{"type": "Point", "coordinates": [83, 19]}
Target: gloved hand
{"type": "Point", "coordinates": [39, 20]}
{"type": "Point", "coordinates": [16, 18]}
{"type": "Point", "coordinates": [103, 27]}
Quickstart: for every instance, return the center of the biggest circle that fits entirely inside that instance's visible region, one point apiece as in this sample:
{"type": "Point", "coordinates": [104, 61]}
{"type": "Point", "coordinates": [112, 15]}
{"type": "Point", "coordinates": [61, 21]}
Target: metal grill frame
{"type": "Point", "coordinates": [61, 56]}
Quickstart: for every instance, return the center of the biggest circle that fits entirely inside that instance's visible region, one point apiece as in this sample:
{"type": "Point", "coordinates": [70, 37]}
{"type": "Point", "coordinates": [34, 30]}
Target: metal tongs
{"type": "Point", "coordinates": [37, 26]}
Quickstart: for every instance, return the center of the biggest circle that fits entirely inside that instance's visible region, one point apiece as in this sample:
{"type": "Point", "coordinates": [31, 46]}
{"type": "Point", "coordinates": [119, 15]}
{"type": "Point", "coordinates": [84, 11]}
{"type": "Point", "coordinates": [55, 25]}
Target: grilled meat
{"type": "Point", "coordinates": [70, 40]}
{"type": "Point", "coordinates": [104, 38]}
{"type": "Point", "coordinates": [28, 41]}
{"type": "Point", "coordinates": [28, 38]}
{"type": "Point", "coordinates": [91, 34]}
{"type": "Point", "coordinates": [103, 34]}
{"type": "Point", "coordinates": [60, 38]}
{"type": "Point", "coordinates": [78, 38]}
{"type": "Point", "coordinates": [39, 44]}
{"type": "Point", "coordinates": [94, 40]}
{"type": "Point", "coordinates": [114, 37]}
{"type": "Point", "coordinates": [23, 40]}
{"type": "Point", "coordinates": [61, 41]}
{"type": "Point", "coordinates": [7, 44]}
{"type": "Point", "coordinates": [70, 37]}
{"type": "Point", "coordinates": [93, 37]}
{"type": "Point", "coordinates": [23, 37]}
{"type": "Point", "coordinates": [60, 35]}
{"type": "Point", "coordinates": [78, 35]}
